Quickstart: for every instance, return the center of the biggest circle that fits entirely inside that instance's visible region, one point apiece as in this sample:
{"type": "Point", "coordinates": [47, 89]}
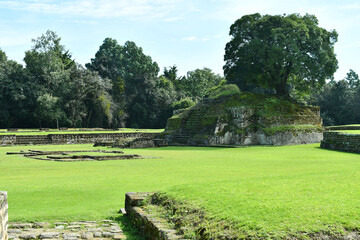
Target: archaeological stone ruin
{"type": "Point", "coordinates": [245, 119]}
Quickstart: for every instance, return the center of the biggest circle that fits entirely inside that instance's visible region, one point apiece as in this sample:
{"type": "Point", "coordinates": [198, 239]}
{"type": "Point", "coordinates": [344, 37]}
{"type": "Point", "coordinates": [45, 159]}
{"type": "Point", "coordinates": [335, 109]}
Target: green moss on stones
{"type": "Point", "coordinates": [292, 128]}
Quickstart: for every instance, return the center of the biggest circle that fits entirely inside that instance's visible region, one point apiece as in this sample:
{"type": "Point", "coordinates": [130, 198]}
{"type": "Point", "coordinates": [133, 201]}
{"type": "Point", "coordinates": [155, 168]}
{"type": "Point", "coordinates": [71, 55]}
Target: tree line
{"type": "Point", "coordinates": [119, 87]}
{"type": "Point", "coordinates": [286, 55]}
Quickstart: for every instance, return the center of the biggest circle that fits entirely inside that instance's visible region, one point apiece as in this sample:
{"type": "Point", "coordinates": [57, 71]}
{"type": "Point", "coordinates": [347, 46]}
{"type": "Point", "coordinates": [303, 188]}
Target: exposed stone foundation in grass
{"type": "Point", "coordinates": [65, 156]}
{"type": "Point", "coordinates": [341, 141]}
{"type": "Point", "coordinates": [105, 229]}
{"type": "Point", "coordinates": [150, 225]}
{"type": "Point", "coordinates": [3, 216]}
{"type": "Point", "coordinates": [80, 138]}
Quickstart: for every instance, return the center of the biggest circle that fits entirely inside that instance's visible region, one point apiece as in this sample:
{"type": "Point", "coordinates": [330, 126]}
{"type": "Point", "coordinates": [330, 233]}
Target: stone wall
{"type": "Point", "coordinates": [3, 216]}
{"type": "Point", "coordinates": [7, 140]}
{"type": "Point", "coordinates": [341, 141]}
{"type": "Point", "coordinates": [260, 138]}
{"type": "Point", "coordinates": [151, 226]}
{"type": "Point", "coordinates": [95, 137]}
{"type": "Point", "coordinates": [83, 138]}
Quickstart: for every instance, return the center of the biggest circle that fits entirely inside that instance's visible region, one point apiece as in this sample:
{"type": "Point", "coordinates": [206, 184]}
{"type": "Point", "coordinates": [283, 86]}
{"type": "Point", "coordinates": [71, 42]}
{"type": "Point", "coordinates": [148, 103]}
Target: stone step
{"type": "Point", "coordinates": [105, 229]}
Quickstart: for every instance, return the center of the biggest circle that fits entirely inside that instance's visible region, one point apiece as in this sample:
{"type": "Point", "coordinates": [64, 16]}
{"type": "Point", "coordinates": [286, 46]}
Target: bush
{"type": "Point", "coordinates": [222, 90]}
{"type": "Point", "coordinates": [183, 103]}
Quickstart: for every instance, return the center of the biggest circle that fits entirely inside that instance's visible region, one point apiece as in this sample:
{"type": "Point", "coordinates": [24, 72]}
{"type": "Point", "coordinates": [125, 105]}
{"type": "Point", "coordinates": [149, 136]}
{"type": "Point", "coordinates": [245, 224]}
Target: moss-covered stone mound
{"type": "Point", "coordinates": [245, 119]}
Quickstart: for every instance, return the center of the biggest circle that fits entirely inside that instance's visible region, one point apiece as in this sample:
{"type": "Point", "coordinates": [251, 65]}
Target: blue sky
{"type": "Point", "coordinates": [188, 33]}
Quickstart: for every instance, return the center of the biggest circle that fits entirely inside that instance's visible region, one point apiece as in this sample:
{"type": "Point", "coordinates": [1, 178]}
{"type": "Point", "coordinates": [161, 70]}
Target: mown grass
{"type": "Point", "coordinates": [349, 125]}
{"type": "Point", "coordinates": [349, 131]}
{"type": "Point", "coordinates": [259, 190]}
{"type": "Point", "coordinates": [56, 131]}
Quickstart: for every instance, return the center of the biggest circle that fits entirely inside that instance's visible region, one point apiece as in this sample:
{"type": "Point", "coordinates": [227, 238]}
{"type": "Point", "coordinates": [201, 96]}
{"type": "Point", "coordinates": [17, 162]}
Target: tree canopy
{"type": "Point", "coordinates": [279, 52]}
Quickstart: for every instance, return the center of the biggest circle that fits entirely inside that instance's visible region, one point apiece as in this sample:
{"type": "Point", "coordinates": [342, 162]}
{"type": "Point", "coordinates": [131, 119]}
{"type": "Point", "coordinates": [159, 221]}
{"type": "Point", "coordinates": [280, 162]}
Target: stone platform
{"type": "Point", "coordinates": [105, 229]}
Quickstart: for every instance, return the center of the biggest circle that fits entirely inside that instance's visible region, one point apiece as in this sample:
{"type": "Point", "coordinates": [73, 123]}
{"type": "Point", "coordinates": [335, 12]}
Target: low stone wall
{"type": "Point", "coordinates": [7, 140]}
{"type": "Point", "coordinates": [341, 141]}
{"type": "Point", "coordinates": [261, 138]}
{"type": "Point", "coordinates": [3, 216]}
{"type": "Point", "coordinates": [95, 137]}
{"type": "Point", "coordinates": [152, 227]}
{"type": "Point", "coordinates": [83, 138]}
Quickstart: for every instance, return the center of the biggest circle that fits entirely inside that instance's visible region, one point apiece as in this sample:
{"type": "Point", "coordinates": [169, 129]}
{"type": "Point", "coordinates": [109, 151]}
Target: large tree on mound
{"type": "Point", "coordinates": [277, 52]}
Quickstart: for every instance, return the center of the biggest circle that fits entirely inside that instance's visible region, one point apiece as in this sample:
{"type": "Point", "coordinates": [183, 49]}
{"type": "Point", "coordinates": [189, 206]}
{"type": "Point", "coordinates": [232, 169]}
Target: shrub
{"type": "Point", "coordinates": [222, 90]}
{"type": "Point", "coordinates": [183, 103]}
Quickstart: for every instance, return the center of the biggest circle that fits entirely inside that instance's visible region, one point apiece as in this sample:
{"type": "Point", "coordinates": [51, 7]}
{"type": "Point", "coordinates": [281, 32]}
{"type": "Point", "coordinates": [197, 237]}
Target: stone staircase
{"type": "Point", "coordinates": [193, 122]}
{"type": "Point", "coordinates": [181, 138]}
{"type": "Point", "coordinates": [33, 139]}
{"type": "Point", "coordinates": [190, 127]}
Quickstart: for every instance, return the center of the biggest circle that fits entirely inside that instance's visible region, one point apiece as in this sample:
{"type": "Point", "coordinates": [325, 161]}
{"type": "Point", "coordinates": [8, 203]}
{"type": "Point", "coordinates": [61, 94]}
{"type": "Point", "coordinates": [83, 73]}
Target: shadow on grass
{"type": "Point", "coordinates": [194, 148]}
{"type": "Point", "coordinates": [128, 229]}
{"type": "Point", "coordinates": [335, 150]}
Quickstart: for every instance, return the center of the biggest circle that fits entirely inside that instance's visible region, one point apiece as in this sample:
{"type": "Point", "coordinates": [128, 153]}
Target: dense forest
{"type": "Point", "coordinates": [121, 86]}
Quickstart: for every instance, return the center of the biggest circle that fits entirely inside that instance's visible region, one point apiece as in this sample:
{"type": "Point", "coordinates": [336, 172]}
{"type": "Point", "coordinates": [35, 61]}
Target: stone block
{"type": "Point", "coordinates": [47, 235]}
{"type": "Point", "coordinates": [3, 216]}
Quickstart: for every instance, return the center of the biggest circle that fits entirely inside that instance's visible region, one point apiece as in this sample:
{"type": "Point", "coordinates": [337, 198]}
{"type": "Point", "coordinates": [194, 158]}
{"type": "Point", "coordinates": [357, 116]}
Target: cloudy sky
{"type": "Point", "coordinates": [188, 33]}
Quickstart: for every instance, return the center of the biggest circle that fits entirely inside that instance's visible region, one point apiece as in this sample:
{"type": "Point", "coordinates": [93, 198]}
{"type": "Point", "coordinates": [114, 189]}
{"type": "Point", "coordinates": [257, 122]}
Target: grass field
{"type": "Point", "coordinates": [349, 131]}
{"type": "Point", "coordinates": [56, 131]}
{"type": "Point", "coordinates": [259, 190]}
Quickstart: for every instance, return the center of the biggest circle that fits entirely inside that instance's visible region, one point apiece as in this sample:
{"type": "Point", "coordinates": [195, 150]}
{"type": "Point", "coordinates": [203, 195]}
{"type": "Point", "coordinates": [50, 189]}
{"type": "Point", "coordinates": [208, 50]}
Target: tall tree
{"type": "Point", "coordinates": [196, 83]}
{"type": "Point", "coordinates": [134, 77]}
{"type": "Point", "coordinates": [279, 51]}
{"type": "Point", "coordinates": [353, 79]}
{"type": "Point", "coordinates": [12, 92]}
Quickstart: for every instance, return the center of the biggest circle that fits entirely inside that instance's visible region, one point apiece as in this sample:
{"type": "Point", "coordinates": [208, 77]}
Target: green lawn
{"type": "Point", "coordinates": [276, 190]}
{"type": "Point", "coordinates": [56, 131]}
{"type": "Point", "coordinates": [349, 131]}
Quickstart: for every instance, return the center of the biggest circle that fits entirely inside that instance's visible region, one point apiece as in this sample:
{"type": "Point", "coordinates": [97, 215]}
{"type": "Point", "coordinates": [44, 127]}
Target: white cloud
{"type": "Point", "coordinates": [191, 38]}
{"type": "Point", "coordinates": [144, 9]}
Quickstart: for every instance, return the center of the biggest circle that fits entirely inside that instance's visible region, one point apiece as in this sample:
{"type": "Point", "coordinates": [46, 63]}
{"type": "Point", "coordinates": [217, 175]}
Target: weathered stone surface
{"type": "Point", "coordinates": [28, 236]}
{"type": "Point", "coordinates": [49, 232]}
{"type": "Point", "coordinates": [341, 141]}
{"type": "Point", "coordinates": [119, 237]}
{"type": "Point", "coordinates": [73, 227]}
{"type": "Point", "coordinates": [97, 234]}
{"type": "Point", "coordinates": [107, 234]}
{"type": "Point", "coordinates": [71, 235]}
{"type": "Point", "coordinates": [40, 224]}
{"type": "Point", "coordinates": [150, 226]}
{"type": "Point", "coordinates": [80, 138]}
{"type": "Point", "coordinates": [87, 235]}
{"type": "Point", "coordinates": [95, 230]}
{"type": "Point", "coordinates": [61, 223]}
{"type": "Point", "coordinates": [70, 238]}
{"type": "Point", "coordinates": [12, 236]}
{"type": "Point", "coordinates": [49, 235]}
{"type": "Point", "coordinates": [21, 225]}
